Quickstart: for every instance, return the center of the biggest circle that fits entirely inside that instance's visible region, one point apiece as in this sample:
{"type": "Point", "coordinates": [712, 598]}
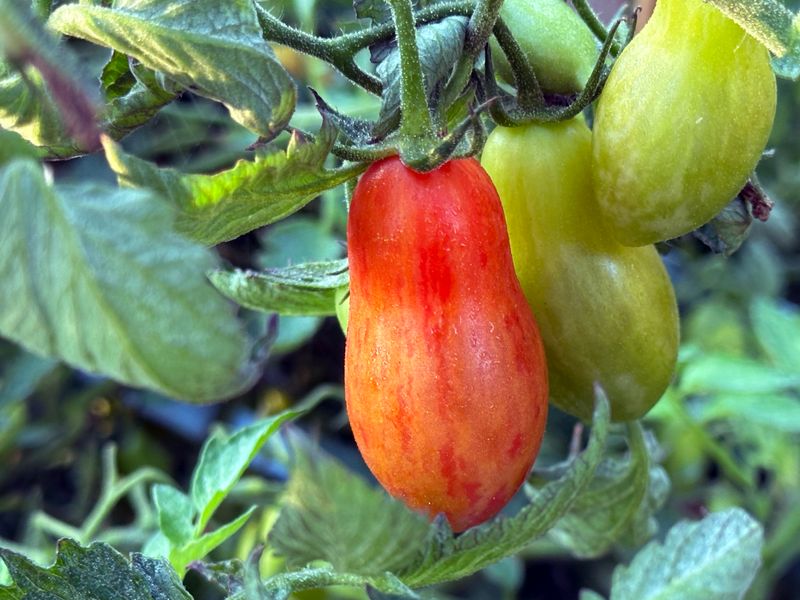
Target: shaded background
{"type": "Point", "coordinates": [50, 442]}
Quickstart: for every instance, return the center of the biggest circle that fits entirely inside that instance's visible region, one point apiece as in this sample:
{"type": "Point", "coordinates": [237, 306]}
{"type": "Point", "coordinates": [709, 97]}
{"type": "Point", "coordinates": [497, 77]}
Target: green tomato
{"type": "Point", "coordinates": [606, 312]}
{"type": "Point", "coordinates": [343, 306]}
{"type": "Point", "coordinates": [681, 123]}
{"type": "Point", "coordinates": [557, 43]}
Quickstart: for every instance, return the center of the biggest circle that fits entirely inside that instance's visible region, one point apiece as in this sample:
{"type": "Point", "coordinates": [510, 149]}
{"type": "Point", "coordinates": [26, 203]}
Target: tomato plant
{"type": "Point", "coordinates": [444, 366]}
{"type": "Point", "coordinates": [607, 312]}
{"type": "Point", "coordinates": [681, 123]}
{"type": "Point", "coordinates": [243, 172]}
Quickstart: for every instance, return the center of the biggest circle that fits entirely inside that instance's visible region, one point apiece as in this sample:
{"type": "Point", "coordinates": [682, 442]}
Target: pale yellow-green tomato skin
{"type": "Point", "coordinates": [681, 122]}
{"type": "Point", "coordinates": [606, 312]}
{"type": "Point", "coordinates": [557, 43]}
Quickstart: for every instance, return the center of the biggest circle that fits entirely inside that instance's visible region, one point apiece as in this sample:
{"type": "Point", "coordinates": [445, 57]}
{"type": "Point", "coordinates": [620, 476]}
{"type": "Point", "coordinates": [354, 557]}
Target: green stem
{"type": "Point", "coordinates": [530, 110]}
{"type": "Point", "coordinates": [52, 526]}
{"type": "Point", "coordinates": [596, 25]}
{"type": "Point", "coordinates": [309, 579]}
{"type": "Point", "coordinates": [479, 29]}
{"type": "Point", "coordinates": [591, 19]}
{"type": "Point", "coordinates": [726, 462]}
{"type": "Point", "coordinates": [113, 490]}
{"type": "Point", "coordinates": [330, 50]}
{"type": "Point", "coordinates": [366, 37]}
{"type": "Point", "coordinates": [529, 92]}
{"type": "Point", "coordinates": [415, 122]}
{"type": "Point", "coordinates": [338, 51]}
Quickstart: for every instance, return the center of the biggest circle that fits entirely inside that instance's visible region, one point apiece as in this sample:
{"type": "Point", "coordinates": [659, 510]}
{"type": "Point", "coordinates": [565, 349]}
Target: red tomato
{"type": "Point", "coordinates": [445, 375]}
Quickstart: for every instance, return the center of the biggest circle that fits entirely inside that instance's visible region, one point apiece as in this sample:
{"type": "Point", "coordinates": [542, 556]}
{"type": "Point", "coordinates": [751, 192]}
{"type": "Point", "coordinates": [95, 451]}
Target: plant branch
{"type": "Point", "coordinates": [726, 462]}
{"type": "Point", "coordinates": [415, 120]}
{"type": "Point", "coordinates": [529, 110]}
{"type": "Point", "coordinates": [338, 51]}
{"type": "Point", "coordinates": [366, 37]}
{"type": "Point", "coordinates": [591, 19]}
{"type": "Point", "coordinates": [114, 489]}
{"type": "Point", "coordinates": [529, 92]}
{"type": "Point", "coordinates": [50, 525]}
{"type": "Point", "coordinates": [327, 49]}
{"type": "Point", "coordinates": [479, 28]}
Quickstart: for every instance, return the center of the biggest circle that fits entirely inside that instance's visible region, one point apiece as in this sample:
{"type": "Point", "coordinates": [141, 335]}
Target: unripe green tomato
{"type": "Point", "coordinates": [445, 376]}
{"type": "Point", "coordinates": [557, 43]}
{"type": "Point", "coordinates": [342, 297]}
{"type": "Point", "coordinates": [681, 122]}
{"type": "Point", "coordinates": [607, 312]}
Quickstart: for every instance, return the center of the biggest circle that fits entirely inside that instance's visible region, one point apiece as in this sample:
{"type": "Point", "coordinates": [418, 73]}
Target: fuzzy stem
{"type": "Point", "coordinates": [479, 29]}
{"type": "Point", "coordinates": [591, 19]}
{"type": "Point", "coordinates": [114, 489]}
{"type": "Point", "coordinates": [415, 121]}
{"type": "Point", "coordinates": [529, 91]}
{"type": "Point", "coordinates": [326, 49]}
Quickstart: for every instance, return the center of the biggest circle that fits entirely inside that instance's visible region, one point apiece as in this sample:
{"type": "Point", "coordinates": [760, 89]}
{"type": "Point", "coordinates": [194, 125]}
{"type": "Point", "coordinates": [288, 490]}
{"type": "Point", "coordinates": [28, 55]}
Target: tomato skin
{"type": "Point", "coordinates": [445, 376]}
{"type": "Point", "coordinates": [606, 312]}
{"type": "Point", "coordinates": [558, 44]}
{"type": "Point", "coordinates": [681, 123]}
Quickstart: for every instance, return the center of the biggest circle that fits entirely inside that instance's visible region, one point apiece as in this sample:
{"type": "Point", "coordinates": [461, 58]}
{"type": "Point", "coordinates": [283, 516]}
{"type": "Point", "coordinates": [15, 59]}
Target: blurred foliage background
{"type": "Point", "coordinates": [728, 428]}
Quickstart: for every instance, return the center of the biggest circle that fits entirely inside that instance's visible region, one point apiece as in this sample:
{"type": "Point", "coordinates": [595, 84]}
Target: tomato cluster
{"type": "Point", "coordinates": [450, 271]}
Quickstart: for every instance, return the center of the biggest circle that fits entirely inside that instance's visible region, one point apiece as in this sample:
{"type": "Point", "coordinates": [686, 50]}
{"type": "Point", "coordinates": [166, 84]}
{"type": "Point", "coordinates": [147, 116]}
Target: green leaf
{"type": "Point", "coordinates": [769, 21]}
{"type": "Point", "coordinates": [216, 208]}
{"type": "Point", "coordinates": [117, 79]}
{"type": "Point", "coordinates": [713, 559]}
{"type": "Point", "coordinates": [728, 230]}
{"type": "Point", "coordinates": [717, 373]}
{"type": "Point", "coordinates": [440, 45]}
{"type": "Point", "coordinates": [214, 47]}
{"type": "Point", "coordinates": [622, 498]}
{"type": "Point", "coordinates": [23, 37]}
{"type": "Point", "coordinates": [228, 575]}
{"type": "Point", "coordinates": [96, 572]}
{"type": "Point", "coordinates": [198, 548]}
{"type": "Point", "coordinates": [225, 457]}
{"type": "Point", "coordinates": [716, 325]}
{"type": "Point", "coordinates": [777, 329]}
{"type": "Point", "coordinates": [53, 108]}
{"type": "Point", "coordinates": [96, 277]}
{"type": "Point", "coordinates": [12, 145]}
{"type": "Point", "coordinates": [175, 513]}
{"type": "Point", "coordinates": [508, 575]}
{"type": "Point", "coordinates": [157, 546]}
{"type": "Point", "coordinates": [162, 581]}
{"type": "Point", "coordinates": [590, 595]}
{"type": "Point", "coordinates": [779, 412]}
{"type": "Point", "coordinates": [135, 94]}
{"type": "Point", "coordinates": [27, 109]}
{"type": "Point", "coordinates": [377, 11]}
{"type": "Point", "coordinates": [305, 289]}
{"type": "Point", "coordinates": [125, 113]}
{"type": "Point", "coordinates": [330, 514]}
{"type": "Point", "coordinates": [298, 240]}
{"type": "Point", "coordinates": [281, 586]}
{"type": "Point", "coordinates": [446, 557]}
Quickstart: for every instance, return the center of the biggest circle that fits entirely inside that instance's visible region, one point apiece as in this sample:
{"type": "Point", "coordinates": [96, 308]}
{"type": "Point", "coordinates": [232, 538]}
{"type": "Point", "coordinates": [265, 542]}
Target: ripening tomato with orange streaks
{"type": "Point", "coordinates": [445, 376]}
